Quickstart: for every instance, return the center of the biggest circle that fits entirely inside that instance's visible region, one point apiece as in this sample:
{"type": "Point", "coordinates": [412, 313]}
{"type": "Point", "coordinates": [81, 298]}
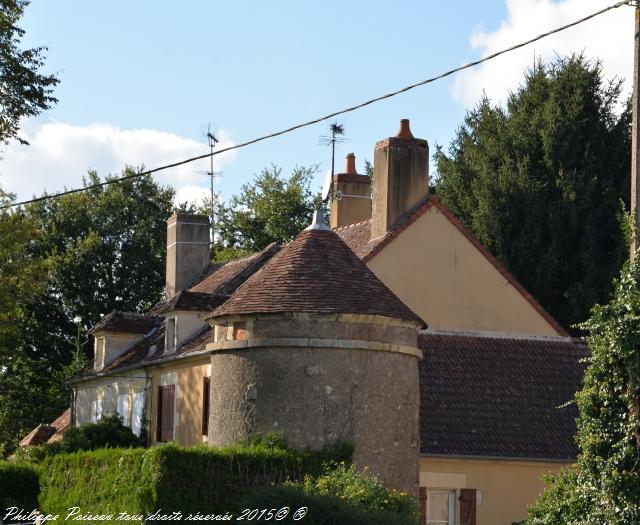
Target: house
{"type": "Point", "coordinates": [325, 338]}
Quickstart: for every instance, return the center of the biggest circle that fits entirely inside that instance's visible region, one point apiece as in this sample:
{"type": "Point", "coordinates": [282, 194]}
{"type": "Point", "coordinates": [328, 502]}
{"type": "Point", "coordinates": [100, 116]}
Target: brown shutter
{"type": "Point", "coordinates": [205, 405]}
{"type": "Point", "coordinates": [422, 502]}
{"type": "Point", "coordinates": [165, 412]}
{"type": "Point", "coordinates": [159, 416]}
{"type": "Point", "coordinates": [467, 506]}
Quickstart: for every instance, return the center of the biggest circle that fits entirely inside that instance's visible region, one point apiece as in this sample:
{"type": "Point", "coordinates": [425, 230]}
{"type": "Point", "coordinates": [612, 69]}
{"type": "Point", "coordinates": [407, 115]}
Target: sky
{"type": "Point", "coordinates": [141, 82]}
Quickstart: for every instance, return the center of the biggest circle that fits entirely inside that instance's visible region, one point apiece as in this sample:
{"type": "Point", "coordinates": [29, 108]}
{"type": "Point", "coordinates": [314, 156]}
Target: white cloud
{"type": "Point", "coordinates": [608, 37]}
{"type": "Point", "coordinates": [60, 154]}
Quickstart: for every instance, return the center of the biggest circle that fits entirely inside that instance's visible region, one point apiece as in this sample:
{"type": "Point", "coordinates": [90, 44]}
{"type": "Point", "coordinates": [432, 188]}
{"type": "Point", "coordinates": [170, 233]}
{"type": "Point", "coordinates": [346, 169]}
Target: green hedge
{"type": "Point", "coordinates": [169, 477]}
{"type": "Point", "coordinates": [18, 487]}
{"type": "Point", "coordinates": [320, 509]}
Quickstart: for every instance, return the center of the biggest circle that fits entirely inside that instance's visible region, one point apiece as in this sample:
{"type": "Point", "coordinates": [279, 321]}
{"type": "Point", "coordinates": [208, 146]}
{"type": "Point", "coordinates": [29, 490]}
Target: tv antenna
{"type": "Point", "coordinates": [212, 140]}
{"type": "Point", "coordinates": [337, 136]}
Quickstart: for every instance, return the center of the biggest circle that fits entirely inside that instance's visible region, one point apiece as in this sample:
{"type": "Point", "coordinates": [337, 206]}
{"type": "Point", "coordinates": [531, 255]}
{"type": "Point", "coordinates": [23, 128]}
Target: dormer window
{"type": "Point", "coordinates": [171, 335]}
{"type": "Point", "coordinates": [99, 353]}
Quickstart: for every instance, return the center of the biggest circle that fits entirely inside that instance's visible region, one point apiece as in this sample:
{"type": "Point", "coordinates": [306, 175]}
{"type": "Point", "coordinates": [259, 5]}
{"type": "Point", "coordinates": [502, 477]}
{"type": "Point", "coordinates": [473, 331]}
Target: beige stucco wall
{"type": "Point", "coordinates": [446, 280]}
{"type": "Point", "coordinates": [115, 344]}
{"type": "Point", "coordinates": [187, 376]}
{"type": "Point", "coordinates": [188, 323]}
{"type": "Point", "coordinates": [505, 488]}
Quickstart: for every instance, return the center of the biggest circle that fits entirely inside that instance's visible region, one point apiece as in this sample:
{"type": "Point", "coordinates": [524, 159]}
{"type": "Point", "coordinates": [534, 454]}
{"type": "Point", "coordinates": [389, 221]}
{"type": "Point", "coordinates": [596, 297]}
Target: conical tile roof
{"type": "Point", "coordinates": [316, 273]}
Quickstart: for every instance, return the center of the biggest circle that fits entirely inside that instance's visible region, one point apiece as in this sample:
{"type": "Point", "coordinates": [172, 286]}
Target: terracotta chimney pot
{"type": "Point", "coordinates": [350, 166]}
{"type": "Point", "coordinates": [405, 130]}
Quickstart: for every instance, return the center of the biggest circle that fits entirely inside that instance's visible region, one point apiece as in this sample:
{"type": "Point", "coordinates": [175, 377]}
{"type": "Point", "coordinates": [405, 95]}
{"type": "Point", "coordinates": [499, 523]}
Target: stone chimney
{"type": "Point", "coordinates": [188, 251]}
{"type": "Point", "coordinates": [351, 201]}
{"type": "Point", "coordinates": [400, 178]}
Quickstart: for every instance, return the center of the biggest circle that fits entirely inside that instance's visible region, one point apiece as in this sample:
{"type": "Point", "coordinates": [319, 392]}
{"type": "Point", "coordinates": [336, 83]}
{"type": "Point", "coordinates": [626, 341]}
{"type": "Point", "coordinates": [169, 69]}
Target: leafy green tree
{"type": "Point", "coordinates": [24, 91]}
{"type": "Point", "coordinates": [81, 254]}
{"type": "Point", "coordinates": [541, 182]}
{"type": "Point", "coordinates": [604, 486]}
{"type": "Point", "coordinates": [273, 208]}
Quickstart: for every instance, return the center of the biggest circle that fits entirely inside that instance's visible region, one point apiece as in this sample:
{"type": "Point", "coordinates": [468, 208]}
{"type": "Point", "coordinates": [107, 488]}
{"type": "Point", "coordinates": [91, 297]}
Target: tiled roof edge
{"type": "Point", "coordinates": [499, 458]}
{"type": "Point", "coordinates": [502, 335]}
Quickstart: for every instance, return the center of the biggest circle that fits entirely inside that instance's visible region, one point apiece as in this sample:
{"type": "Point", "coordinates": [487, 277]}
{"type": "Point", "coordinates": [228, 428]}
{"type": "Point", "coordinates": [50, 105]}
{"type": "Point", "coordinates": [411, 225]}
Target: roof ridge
{"type": "Point", "coordinates": [488, 334]}
{"type": "Point", "coordinates": [352, 225]}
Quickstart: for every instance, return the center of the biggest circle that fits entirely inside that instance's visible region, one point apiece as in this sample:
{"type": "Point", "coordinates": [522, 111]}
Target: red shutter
{"type": "Point", "coordinates": [467, 506]}
{"type": "Point", "coordinates": [165, 412]}
{"type": "Point", "coordinates": [205, 405]}
{"type": "Point", "coordinates": [422, 502]}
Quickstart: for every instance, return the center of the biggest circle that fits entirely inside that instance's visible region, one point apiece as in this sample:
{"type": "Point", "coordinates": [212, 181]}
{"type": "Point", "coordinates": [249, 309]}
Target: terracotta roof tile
{"type": "Point", "coordinates": [194, 301]}
{"type": "Point", "coordinates": [316, 272]}
{"type": "Point", "coordinates": [61, 424]}
{"type": "Point", "coordinates": [118, 321]}
{"type": "Point", "coordinates": [499, 396]}
{"type": "Point", "coordinates": [358, 237]}
{"type": "Point", "coordinates": [226, 278]}
{"type": "Point", "coordinates": [38, 435]}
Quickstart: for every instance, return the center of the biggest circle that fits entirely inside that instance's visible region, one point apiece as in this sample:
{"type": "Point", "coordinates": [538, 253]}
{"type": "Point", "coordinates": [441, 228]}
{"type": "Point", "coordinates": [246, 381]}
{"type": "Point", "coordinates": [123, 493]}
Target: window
{"type": "Point", "coordinates": [171, 335]}
{"type": "Point", "coordinates": [99, 353]}
{"type": "Point", "coordinates": [441, 507]}
{"type": "Point", "coordinates": [138, 410]}
{"type": "Point", "coordinates": [123, 408]}
{"type": "Point", "coordinates": [205, 405]}
{"type": "Point", "coordinates": [96, 410]}
{"type": "Point", "coordinates": [239, 331]}
{"type": "Point", "coordinates": [164, 427]}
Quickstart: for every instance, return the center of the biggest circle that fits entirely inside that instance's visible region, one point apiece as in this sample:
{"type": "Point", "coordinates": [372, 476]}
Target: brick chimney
{"type": "Point", "coordinates": [351, 200]}
{"type": "Point", "coordinates": [188, 251]}
{"type": "Point", "coordinates": [400, 178]}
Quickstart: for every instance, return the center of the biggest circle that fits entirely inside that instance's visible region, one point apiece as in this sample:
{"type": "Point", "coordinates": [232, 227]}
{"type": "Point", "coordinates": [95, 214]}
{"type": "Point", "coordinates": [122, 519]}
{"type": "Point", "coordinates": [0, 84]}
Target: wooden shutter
{"type": "Point", "coordinates": [205, 405]}
{"type": "Point", "coordinates": [165, 413]}
{"type": "Point", "coordinates": [467, 506]}
{"type": "Point", "coordinates": [422, 502]}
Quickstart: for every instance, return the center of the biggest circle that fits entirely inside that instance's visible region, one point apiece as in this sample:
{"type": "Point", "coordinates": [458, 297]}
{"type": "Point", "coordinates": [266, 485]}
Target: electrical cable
{"type": "Point", "coordinates": [328, 116]}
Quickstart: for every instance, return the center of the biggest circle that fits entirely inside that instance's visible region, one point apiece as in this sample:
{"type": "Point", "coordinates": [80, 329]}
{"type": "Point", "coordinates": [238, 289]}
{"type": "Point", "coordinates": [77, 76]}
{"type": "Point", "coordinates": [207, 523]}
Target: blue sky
{"type": "Point", "coordinates": [139, 81]}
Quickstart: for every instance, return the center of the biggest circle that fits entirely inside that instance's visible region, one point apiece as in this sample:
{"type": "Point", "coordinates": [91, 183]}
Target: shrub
{"type": "Point", "coordinates": [104, 481]}
{"type": "Point", "coordinates": [108, 432]}
{"type": "Point", "coordinates": [359, 489]}
{"type": "Point", "coordinates": [171, 478]}
{"type": "Point", "coordinates": [321, 509]}
{"type": "Point", "coordinates": [18, 486]}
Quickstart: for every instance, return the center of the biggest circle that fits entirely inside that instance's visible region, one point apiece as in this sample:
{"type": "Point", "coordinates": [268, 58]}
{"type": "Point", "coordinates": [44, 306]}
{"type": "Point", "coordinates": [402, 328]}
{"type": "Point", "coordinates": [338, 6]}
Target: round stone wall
{"type": "Point", "coordinates": [337, 386]}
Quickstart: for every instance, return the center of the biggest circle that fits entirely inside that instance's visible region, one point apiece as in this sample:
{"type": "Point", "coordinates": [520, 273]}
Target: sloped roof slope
{"type": "Point", "coordinates": [316, 273]}
{"type": "Point", "coordinates": [118, 321]}
{"type": "Point", "coordinates": [226, 278]}
{"type": "Point", "coordinates": [487, 395]}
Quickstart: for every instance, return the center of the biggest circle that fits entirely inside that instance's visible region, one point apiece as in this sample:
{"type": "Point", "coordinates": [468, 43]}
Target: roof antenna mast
{"type": "Point", "coordinates": [337, 136]}
{"type": "Point", "coordinates": [212, 140]}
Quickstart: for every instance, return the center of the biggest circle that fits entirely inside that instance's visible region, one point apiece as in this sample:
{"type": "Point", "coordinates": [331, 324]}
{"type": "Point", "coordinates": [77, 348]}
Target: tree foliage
{"type": "Point", "coordinates": [82, 254]}
{"type": "Point", "coordinates": [273, 208]}
{"type": "Point", "coordinates": [24, 90]}
{"type": "Point", "coordinates": [604, 487]}
{"type": "Point", "coordinates": [540, 183]}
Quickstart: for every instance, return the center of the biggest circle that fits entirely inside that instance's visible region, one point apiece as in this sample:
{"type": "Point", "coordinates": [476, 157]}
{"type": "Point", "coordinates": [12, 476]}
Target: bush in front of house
{"type": "Point", "coordinates": [319, 509]}
{"type": "Point", "coordinates": [360, 489]}
{"type": "Point", "coordinates": [109, 432]}
{"type": "Point", "coordinates": [109, 480]}
{"type": "Point", "coordinates": [18, 486]}
{"type": "Point", "coordinates": [172, 478]}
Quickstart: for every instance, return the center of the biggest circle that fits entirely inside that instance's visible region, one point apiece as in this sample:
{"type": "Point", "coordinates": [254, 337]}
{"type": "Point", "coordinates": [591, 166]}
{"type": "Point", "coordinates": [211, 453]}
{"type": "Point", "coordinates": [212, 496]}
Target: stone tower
{"type": "Point", "coordinates": [314, 345]}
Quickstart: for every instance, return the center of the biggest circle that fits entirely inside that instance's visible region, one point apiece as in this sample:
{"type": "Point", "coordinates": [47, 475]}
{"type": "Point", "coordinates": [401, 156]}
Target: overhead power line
{"type": "Point", "coordinates": [330, 115]}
